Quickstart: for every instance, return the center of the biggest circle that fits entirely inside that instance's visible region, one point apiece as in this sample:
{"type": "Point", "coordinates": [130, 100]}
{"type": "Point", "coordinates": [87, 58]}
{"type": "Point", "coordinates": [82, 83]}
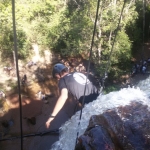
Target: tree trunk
{"type": "Point", "coordinates": [14, 57]}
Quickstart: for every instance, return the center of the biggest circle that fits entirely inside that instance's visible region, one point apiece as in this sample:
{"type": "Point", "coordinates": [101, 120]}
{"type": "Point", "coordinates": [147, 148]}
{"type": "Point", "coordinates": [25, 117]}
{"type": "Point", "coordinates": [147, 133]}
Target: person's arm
{"type": "Point", "coordinates": [60, 103]}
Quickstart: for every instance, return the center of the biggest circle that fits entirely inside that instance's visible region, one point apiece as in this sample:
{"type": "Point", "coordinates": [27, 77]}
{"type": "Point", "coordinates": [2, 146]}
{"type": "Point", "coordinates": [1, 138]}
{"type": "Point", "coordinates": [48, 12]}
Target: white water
{"type": "Point", "coordinates": [123, 97]}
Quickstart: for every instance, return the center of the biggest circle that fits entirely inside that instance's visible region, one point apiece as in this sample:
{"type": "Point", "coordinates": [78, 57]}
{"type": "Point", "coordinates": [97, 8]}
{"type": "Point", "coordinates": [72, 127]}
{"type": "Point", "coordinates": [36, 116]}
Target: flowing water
{"type": "Point", "coordinates": [139, 93]}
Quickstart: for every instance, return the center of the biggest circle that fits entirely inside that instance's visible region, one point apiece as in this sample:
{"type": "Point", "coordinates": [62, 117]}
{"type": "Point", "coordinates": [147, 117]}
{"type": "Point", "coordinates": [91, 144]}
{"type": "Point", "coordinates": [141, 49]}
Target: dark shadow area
{"type": "Point", "coordinates": [35, 113]}
{"type": "Point", "coordinates": [10, 121]}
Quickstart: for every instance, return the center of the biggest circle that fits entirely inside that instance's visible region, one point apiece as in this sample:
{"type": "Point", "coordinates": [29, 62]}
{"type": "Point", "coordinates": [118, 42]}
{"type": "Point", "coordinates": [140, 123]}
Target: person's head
{"type": "Point", "coordinates": [59, 70]}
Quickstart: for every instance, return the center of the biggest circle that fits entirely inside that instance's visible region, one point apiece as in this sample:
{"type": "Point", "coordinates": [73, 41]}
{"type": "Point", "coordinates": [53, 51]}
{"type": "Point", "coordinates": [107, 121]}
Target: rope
{"type": "Point", "coordinates": [17, 70]}
{"type": "Point", "coordinates": [88, 68]}
{"type": "Point", "coordinates": [117, 29]}
{"type": "Point", "coordinates": [109, 60]}
{"type": "Point", "coordinates": [143, 37]}
{"type": "Point", "coordinates": [52, 132]}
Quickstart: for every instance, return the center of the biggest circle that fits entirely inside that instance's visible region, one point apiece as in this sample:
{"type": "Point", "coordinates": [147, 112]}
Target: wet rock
{"type": "Point", "coordinates": [123, 128]}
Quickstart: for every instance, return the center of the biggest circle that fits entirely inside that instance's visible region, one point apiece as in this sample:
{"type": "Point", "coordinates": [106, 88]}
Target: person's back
{"type": "Point", "coordinates": [75, 83]}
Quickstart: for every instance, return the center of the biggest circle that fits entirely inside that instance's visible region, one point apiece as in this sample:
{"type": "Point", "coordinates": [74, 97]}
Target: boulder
{"type": "Point", "coordinates": [123, 128]}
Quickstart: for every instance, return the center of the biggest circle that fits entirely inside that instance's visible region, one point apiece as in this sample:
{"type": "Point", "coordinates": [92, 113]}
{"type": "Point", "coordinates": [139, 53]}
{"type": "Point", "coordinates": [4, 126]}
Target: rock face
{"type": "Point", "coordinates": [122, 128]}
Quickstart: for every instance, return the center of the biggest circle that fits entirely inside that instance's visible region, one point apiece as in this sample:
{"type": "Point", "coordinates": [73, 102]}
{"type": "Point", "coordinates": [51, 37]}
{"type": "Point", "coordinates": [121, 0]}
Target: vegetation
{"type": "Point", "coordinates": [66, 27]}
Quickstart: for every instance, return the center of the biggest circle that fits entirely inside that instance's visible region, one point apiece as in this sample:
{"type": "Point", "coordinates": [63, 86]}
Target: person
{"type": "Point", "coordinates": [148, 61]}
{"type": "Point", "coordinates": [134, 70]}
{"type": "Point", "coordinates": [73, 83]}
{"type": "Point", "coordinates": [24, 79]}
{"type": "Point", "coordinates": [2, 94]}
{"type": "Point", "coordinates": [144, 68]}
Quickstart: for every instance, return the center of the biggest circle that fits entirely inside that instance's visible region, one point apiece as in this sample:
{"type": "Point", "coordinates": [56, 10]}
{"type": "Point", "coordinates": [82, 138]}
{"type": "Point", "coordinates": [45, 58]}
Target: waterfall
{"type": "Point", "coordinates": [145, 86]}
{"type": "Point", "coordinates": [68, 132]}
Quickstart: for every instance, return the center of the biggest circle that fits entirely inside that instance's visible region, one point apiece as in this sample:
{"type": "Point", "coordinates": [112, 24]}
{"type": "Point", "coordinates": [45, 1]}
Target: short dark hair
{"type": "Point", "coordinates": [64, 70]}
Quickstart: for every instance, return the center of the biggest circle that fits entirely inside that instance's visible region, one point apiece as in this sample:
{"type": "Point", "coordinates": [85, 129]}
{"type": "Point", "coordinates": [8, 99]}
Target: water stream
{"type": "Point", "coordinates": [123, 97]}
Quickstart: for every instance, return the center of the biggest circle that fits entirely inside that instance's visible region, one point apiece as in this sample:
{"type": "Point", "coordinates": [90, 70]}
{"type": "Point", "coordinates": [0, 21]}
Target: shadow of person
{"type": "Point", "coordinates": [45, 142]}
{"type": "Point", "coordinates": [34, 116]}
{"type": "Point", "coordinates": [31, 109]}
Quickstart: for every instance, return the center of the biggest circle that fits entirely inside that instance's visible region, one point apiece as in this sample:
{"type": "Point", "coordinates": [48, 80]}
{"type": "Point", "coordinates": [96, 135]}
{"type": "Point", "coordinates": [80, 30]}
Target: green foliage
{"type": "Point", "coordinates": [75, 30]}
{"type": "Point", "coordinates": [119, 60]}
{"type": "Point", "coordinates": [35, 21]}
{"type": "Point", "coordinates": [109, 89]}
{"type": "Point", "coordinates": [7, 44]}
{"type": "Point", "coordinates": [66, 27]}
{"type": "Point", "coordinates": [122, 48]}
{"type": "Point", "coordinates": [6, 37]}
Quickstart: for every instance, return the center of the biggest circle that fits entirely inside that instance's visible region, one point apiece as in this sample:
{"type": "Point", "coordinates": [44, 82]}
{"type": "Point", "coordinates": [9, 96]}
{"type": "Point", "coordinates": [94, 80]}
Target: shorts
{"type": "Point", "coordinates": [88, 98]}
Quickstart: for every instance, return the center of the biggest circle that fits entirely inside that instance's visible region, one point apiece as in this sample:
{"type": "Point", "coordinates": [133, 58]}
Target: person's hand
{"type": "Point", "coordinates": [48, 122]}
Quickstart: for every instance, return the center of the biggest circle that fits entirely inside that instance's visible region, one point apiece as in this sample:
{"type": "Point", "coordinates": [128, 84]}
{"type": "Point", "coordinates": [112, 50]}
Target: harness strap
{"type": "Point", "coordinates": [69, 89]}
